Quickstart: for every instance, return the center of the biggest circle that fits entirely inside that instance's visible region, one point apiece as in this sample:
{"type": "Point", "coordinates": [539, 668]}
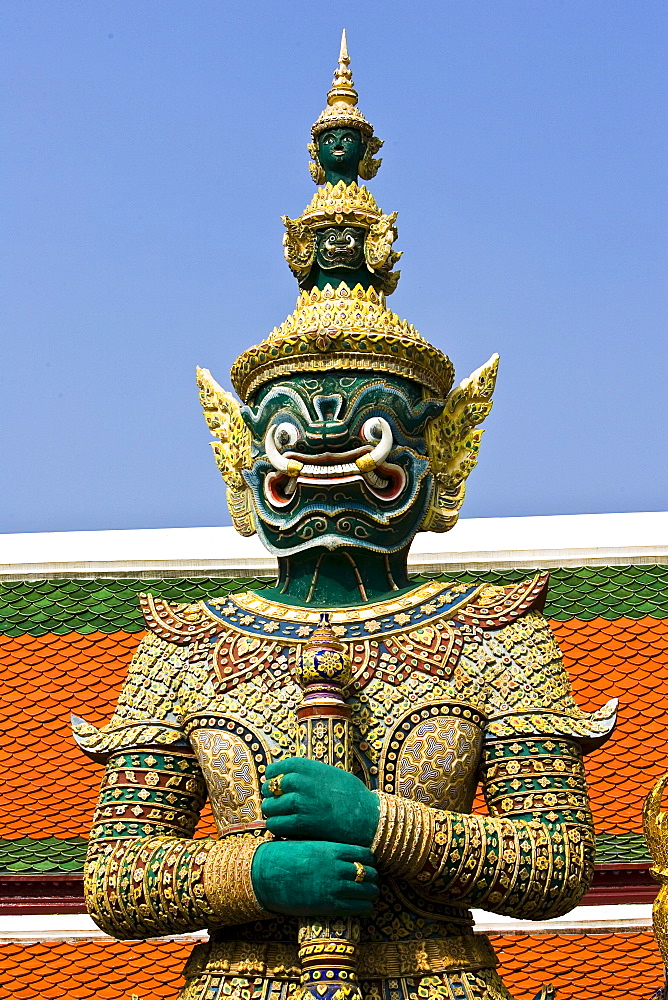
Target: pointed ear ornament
{"type": "Point", "coordinates": [453, 443]}
{"type": "Point", "coordinates": [231, 447]}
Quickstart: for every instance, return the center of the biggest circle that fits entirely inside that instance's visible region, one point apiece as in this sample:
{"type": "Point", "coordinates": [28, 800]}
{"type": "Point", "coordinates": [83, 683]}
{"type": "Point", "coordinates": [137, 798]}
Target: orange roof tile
{"type": "Point", "coordinates": [52, 786]}
{"type": "Point", "coordinates": [94, 970]}
{"type": "Point", "coordinates": [625, 659]}
{"type": "Point", "coordinates": [582, 967]}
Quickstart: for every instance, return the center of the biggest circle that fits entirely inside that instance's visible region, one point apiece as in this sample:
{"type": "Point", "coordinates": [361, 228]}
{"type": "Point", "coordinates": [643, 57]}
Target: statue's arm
{"type": "Point", "coordinates": [532, 857]}
{"type": "Point", "coordinates": [145, 875]}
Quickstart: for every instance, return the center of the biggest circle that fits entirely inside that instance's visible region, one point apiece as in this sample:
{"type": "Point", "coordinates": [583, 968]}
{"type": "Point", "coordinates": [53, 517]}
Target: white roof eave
{"type": "Point", "coordinates": [475, 544]}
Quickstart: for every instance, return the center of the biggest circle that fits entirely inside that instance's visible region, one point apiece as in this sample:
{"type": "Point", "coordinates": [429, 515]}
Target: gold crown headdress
{"type": "Point", "coordinates": [342, 329]}
{"type": "Point", "coordinates": [341, 111]}
{"type": "Point", "coordinates": [350, 329]}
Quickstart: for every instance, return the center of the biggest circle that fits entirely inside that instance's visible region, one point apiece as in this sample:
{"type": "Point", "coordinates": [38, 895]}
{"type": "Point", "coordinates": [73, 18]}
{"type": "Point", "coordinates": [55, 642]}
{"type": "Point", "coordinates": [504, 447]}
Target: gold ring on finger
{"type": "Point", "coordinates": [360, 871]}
{"type": "Point", "coordinates": [275, 785]}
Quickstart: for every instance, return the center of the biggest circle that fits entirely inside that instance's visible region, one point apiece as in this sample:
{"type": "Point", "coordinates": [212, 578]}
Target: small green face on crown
{"type": "Point", "coordinates": [339, 152]}
{"type": "Point", "coordinates": [339, 258]}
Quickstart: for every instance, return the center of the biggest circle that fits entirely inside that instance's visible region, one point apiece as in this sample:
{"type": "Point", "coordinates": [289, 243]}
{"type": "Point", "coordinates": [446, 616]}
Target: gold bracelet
{"type": "Point", "coordinates": [227, 880]}
{"type": "Point", "coordinates": [424, 840]}
{"type": "Point", "coordinates": [379, 835]}
{"type": "Point", "coordinates": [404, 836]}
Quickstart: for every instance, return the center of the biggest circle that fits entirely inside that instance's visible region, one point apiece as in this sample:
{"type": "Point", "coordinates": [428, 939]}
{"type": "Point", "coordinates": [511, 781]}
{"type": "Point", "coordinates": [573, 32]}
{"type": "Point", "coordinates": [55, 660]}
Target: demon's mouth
{"type": "Point", "coordinates": [365, 464]}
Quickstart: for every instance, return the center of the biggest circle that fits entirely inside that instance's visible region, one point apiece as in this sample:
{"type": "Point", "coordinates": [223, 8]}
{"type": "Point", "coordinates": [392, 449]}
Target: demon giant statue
{"type": "Point", "coordinates": [341, 721]}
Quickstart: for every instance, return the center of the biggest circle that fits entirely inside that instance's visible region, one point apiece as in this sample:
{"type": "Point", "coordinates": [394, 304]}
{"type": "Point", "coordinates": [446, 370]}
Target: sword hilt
{"type": "Point", "coordinates": [327, 946]}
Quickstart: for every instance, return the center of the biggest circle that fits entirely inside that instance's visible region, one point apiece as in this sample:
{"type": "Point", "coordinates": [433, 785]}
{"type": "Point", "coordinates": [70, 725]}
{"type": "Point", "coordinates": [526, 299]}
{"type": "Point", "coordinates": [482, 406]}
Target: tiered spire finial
{"type": "Point", "coordinates": [342, 110]}
{"type": "Point", "coordinates": [343, 89]}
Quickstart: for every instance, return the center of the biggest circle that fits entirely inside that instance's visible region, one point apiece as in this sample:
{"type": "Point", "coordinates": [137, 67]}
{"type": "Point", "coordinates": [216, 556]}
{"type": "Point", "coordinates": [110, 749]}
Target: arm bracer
{"type": "Point", "coordinates": [145, 876]}
{"type": "Point", "coordinates": [532, 857]}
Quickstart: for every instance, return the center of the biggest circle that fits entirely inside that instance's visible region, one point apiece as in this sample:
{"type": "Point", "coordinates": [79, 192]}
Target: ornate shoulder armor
{"type": "Point", "coordinates": [528, 688]}
{"type": "Point", "coordinates": [177, 623]}
{"type": "Point", "coordinates": [144, 713]}
{"type": "Point", "coordinates": [493, 607]}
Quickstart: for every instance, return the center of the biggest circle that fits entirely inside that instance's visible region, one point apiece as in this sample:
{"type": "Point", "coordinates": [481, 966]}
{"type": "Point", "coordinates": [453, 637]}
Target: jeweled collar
{"type": "Point", "coordinates": [252, 614]}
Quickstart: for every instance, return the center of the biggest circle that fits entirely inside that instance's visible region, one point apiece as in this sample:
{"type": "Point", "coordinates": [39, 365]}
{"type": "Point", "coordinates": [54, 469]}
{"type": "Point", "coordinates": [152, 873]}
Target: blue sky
{"type": "Point", "coordinates": [150, 149]}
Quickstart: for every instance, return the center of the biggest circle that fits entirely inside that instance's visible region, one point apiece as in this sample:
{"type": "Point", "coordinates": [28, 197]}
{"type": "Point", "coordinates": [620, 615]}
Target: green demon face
{"type": "Point", "coordinates": [339, 460]}
{"type": "Point", "coordinates": [340, 247]}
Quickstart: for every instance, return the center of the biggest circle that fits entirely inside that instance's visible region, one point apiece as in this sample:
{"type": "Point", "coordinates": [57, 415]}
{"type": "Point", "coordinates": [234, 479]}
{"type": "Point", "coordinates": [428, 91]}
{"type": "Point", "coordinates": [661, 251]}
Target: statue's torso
{"type": "Point", "coordinates": [440, 676]}
{"type": "Point", "coordinates": [420, 698]}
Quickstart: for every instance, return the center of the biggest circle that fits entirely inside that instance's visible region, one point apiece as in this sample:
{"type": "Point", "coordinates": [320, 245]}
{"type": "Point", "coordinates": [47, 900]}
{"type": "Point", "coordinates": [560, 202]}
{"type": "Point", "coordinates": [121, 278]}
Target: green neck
{"type": "Point", "coordinates": [362, 277]}
{"type": "Point", "coordinates": [343, 577]}
{"type": "Point", "coordinates": [348, 176]}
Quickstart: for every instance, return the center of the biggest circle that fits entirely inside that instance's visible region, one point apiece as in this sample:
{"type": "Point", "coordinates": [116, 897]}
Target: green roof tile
{"type": "Point", "coordinates": [621, 847]}
{"type": "Point", "coordinates": [85, 606]}
{"type": "Point", "coordinates": [588, 592]}
{"type": "Point", "coordinates": [51, 854]}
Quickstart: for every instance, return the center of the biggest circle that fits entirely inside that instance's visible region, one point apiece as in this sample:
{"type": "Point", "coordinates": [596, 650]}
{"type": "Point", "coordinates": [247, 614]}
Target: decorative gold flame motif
{"type": "Point", "coordinates": [655, 823]}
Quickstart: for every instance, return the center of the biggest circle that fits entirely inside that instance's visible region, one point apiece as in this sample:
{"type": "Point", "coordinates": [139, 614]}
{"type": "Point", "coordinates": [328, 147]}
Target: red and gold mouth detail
{"type": "Point", "coordinates": [327, 470]}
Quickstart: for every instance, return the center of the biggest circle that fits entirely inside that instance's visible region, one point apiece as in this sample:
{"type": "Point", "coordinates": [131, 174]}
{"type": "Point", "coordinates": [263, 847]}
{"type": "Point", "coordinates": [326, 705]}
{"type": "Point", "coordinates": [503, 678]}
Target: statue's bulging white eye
{"type": "Point", "coordinates": [285, 435]}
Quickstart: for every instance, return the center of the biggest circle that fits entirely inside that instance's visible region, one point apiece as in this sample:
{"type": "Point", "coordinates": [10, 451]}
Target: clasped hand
{"type": "Point", "coordinates": [319, 802]}
{"type": "Point", "coordinates": [329, 818]}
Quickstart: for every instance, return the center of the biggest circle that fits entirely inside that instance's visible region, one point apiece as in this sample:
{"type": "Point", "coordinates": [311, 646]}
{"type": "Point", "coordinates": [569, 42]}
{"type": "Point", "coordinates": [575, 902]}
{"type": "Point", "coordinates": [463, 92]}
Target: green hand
{"type": "Point", "coordinates": [309, 879]}
{"type": "Point", "coordinates": [319, 802]}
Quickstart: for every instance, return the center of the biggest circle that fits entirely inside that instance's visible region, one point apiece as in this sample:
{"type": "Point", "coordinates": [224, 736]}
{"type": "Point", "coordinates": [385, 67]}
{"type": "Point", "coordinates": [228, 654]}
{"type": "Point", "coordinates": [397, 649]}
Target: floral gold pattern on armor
{"type": "Point", "coordinates": [533, 854]}
{"type": "Point", "coordinates": [143, 873]}
{"type": "Point", "coordinates": [149, 793]}
{"type": "Point", "coordinates": [237, 655]}
{"type": "Point", "coordinates": [252, 614]}
{"type": "Point", "coordinates": [144, 712]}
{"type": "Point", "coordinates": [176, 623]}
{"type": "Point", "coordinates": [496, 606]}
{"type": "Point", "coordinates": [233, 760]}
{"type": "Point", "coordinates": [535, 864]}
{"type": "Point", "coordinates": [433, 647]}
